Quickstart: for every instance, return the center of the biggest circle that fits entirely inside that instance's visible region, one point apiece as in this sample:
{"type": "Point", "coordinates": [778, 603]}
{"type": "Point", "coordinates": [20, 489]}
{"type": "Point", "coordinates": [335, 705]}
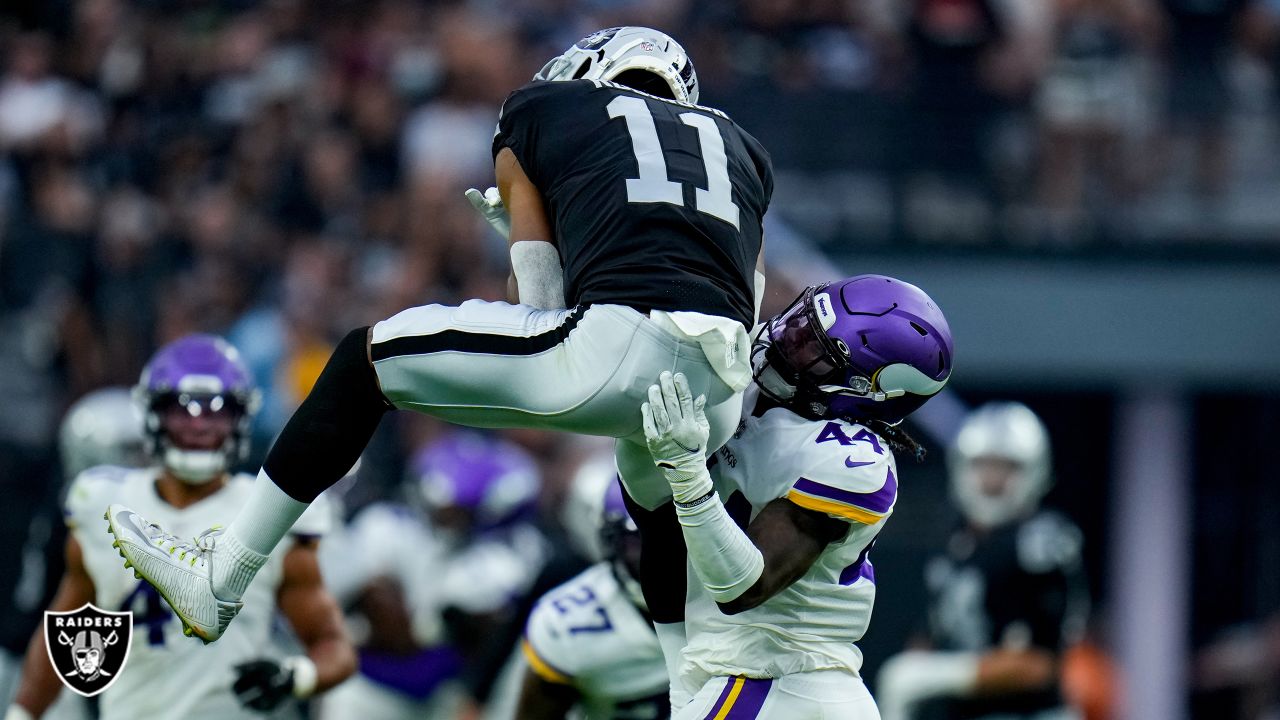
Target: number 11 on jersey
{"type": "Point", "coordinates": [653, 185]}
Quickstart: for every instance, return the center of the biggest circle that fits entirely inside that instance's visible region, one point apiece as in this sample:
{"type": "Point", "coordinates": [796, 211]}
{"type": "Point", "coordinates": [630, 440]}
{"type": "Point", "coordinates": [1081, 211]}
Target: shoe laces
{"type": "Point", "coordinates": [197, 548]}
{"type": "Point", "coordinates": [206, 540]}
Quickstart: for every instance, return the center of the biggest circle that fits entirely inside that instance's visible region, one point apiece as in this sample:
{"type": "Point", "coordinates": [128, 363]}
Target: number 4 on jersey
{"type": "Point", "coordinates": [149, 610]}
{"type": "Point", "coordinates": [653, 184]}
{"type": "Point", "coordinates": [833, 431]}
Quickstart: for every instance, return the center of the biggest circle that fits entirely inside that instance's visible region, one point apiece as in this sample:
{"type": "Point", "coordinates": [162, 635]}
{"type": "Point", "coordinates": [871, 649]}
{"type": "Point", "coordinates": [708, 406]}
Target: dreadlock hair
{"type": "Point", "coordinates": [898, 438]}
{"type": "Point", "coordinates": [900, 441]}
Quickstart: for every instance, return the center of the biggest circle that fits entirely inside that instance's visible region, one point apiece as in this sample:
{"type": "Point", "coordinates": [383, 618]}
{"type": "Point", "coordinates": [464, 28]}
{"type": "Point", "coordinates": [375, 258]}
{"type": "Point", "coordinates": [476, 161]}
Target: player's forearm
{"type": "Point", "coordinates": [40, 685]}
{"type": "Point", "coordinates": [790, 539]}
{"type": "Point", "coordinates": [676, 431]}
{"type": "Point", "coordinates": [334, 659]}
{"type": "Point", "coordinates": [1009, 671]}
{"type": "Point", "coordinates": [723, 557]}
{"type": "Point", "coordinates": [513, 288]}
{"type": "Point", "coordinates": [542, 700]}
{"type": "Point", "coordinates": [317, 620]}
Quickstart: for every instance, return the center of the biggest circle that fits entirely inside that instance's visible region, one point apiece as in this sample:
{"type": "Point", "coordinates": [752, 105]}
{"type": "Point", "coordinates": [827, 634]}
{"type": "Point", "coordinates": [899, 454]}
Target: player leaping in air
{"type": "Point", "coordinates": [640, 209]}
{"type": "Point", "coordinates": [779, 525]}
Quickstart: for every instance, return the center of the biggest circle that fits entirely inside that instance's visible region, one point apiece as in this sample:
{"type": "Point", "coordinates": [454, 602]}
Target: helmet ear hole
{"type": "Point", "coordinates": [645, 82]}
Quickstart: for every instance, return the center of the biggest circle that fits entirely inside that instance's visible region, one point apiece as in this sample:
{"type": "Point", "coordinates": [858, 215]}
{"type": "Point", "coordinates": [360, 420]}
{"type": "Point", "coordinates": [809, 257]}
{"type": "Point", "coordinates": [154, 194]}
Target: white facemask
{"type": "Point", "coordinates": [774, 385]}
{"type": "Point", "coordinates": [195, 467]}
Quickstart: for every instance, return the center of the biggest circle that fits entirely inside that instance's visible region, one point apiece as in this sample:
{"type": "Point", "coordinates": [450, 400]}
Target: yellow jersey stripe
{"type": "Point", "coordinates": [848, 512]}
{"type": "Point", "coordinates": [541, 667]}
{"type": "Point", "coordinates": [738, 682]}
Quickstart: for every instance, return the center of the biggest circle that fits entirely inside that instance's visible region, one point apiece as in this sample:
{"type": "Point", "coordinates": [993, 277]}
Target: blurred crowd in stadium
{"type": "Point", "coordinates": [273, 170]}
{"type": "Point", "coordinates": [276, 171]}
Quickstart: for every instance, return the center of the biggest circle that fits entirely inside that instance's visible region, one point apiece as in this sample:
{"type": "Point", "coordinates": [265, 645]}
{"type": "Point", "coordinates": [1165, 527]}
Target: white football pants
{"type": "Point", "coordinates": [583, 370]}
{"type": "Point", "coordinates": [819, 695]}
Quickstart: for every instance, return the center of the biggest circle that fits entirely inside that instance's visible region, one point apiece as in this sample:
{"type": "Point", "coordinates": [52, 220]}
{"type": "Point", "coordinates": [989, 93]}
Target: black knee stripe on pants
{"type": "Point", "coordinates": [325, 436]}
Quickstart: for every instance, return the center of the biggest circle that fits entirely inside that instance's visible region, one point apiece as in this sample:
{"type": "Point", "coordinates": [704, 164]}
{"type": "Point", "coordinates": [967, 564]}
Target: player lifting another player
{"type": "Point", "coordinates": [780, 523]}
{"type": "Point", "coordinates": [644, 210]}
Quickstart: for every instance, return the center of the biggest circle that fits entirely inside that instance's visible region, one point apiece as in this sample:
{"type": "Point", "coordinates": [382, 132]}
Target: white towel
{"type": "Point", "coordinates": [724, 342]}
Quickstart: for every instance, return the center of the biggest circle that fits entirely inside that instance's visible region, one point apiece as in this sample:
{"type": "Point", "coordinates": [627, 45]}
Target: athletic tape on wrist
{"type": "Point", "coordinates": [17, 712]}
{"type": "Point", "coordinates": [305, 675]}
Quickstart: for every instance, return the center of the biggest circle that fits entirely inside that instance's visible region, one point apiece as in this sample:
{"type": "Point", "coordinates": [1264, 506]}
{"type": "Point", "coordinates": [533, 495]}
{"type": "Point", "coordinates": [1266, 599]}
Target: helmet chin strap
{"type": "Point", "coordinates": [195, 467]}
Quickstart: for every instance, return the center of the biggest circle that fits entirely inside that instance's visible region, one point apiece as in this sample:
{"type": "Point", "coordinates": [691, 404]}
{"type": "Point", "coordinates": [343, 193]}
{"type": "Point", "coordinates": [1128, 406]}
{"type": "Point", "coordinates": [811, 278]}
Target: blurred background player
{"type": "Point", "coordinates": [589, 643]}
{"type": "Point", "coordinates": [1006, 596]}
{"type": "Point", "coordinates": [432, 618]}
{"type": "Point", "coordinates": [197, 399]}
{"type": "Point", "coordinates": [278, 172]}
{"type": "Point", "coordinates": [781, 522]}
{"type": "Point", "coordinates": [659, 271]}
{"type": "Point", "coordinates": [102, 428]}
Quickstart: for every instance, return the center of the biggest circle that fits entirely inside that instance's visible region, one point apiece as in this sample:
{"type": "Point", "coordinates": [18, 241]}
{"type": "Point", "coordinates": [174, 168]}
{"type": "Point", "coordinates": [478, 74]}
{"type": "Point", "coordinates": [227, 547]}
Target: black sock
{"type": "Point", "coordinates": [327, 433]}
{"type": "Point", "coordinates": [663, 560]}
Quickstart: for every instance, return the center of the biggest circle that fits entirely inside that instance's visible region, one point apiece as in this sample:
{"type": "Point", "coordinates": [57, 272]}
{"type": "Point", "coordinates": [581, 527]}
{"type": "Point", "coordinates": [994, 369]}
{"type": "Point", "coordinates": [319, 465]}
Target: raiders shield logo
{"type": "Point", "coordinates": [597, 39]}
{"type": "Point", "coordinates": [88, 647]}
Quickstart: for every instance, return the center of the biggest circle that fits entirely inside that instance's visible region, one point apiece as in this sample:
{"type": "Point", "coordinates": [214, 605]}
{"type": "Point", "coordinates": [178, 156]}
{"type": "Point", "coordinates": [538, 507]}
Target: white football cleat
{"type": "Point", "coordinates": [180, 570]}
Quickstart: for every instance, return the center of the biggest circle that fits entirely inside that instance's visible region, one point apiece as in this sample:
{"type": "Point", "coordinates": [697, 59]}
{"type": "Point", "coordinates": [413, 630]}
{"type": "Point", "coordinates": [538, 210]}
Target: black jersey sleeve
{"type": "Point", "coordinates": [518, 126]}
{"type": "Point", "coordinates": [764, 165]}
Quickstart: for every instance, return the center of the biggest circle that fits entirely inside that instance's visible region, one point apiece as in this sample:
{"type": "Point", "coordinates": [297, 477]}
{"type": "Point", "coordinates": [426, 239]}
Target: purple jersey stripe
{"type": "Point", "coordinates": [877, 502]}
{"type": "Point", "coordinates": [750, 700]}
{"type": "Point", "coordinates": [724, 695]}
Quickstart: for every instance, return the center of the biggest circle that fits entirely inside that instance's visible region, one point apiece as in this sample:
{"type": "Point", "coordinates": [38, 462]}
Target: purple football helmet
{"type": "Point", "coordinates": [865, 348]}
{"type": "Point", "coordinates": [492, 481]}
{"type": "Point", "coordinates": [193, 378]}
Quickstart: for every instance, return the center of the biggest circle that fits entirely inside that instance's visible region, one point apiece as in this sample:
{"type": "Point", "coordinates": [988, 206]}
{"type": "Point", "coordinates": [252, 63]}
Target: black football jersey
{"type": "Point", "coordinates": [654, 204]}
{"type": "Point", "coordinates": [1018, 585]}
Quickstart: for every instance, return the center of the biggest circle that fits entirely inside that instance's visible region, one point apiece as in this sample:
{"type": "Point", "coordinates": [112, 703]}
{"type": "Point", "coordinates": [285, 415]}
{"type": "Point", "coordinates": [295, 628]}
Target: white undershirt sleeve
{"type": "Point", "coordinates": [724, 558]}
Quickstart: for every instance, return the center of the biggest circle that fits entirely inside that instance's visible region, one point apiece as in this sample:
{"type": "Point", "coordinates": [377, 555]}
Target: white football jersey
{"type": "Point", "coordinates": [484, 575]}
{"type": "Point", "coordinates": [836, 467]}
{"type": "Point", "coordinates": [587, 633]}
{"type": "Point", "coordinates": [168, 674]}
{"type": "Point", "coordinates": [372, 546]}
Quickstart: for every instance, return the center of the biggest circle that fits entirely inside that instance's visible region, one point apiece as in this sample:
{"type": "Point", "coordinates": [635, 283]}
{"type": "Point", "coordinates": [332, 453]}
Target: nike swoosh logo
{"type": "Point", "coordinates": [686, 448]}
{"type": "Point", "coordinates": [848, 462]}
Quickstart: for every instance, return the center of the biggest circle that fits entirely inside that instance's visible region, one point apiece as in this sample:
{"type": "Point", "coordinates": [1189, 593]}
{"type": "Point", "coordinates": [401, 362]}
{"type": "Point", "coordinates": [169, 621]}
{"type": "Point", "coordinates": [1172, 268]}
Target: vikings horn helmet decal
{"type": "Point", "coordinates": [868, 347]}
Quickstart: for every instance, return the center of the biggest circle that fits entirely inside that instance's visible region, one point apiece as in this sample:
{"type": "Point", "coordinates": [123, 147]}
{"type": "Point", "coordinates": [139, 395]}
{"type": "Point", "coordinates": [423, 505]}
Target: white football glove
{"type": "Point", "coordinates": [489, 205]}
{"type": "Point", "coordinates": [676, 431]}
{"type": "Point", "coordinates": [912, 677]}
{"type": "Point", "coordinates": [17, 712]}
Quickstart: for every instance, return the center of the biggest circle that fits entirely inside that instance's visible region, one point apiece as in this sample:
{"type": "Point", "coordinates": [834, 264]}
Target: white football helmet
{"type": "Point", "coordinates": [102, 428]}
{"type": "Point", "coordinates": [638, 57]}
{"type": "Point", "coordinates": [1000, 431]}
{"type": "Point", "coordinates": [583, 512]}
